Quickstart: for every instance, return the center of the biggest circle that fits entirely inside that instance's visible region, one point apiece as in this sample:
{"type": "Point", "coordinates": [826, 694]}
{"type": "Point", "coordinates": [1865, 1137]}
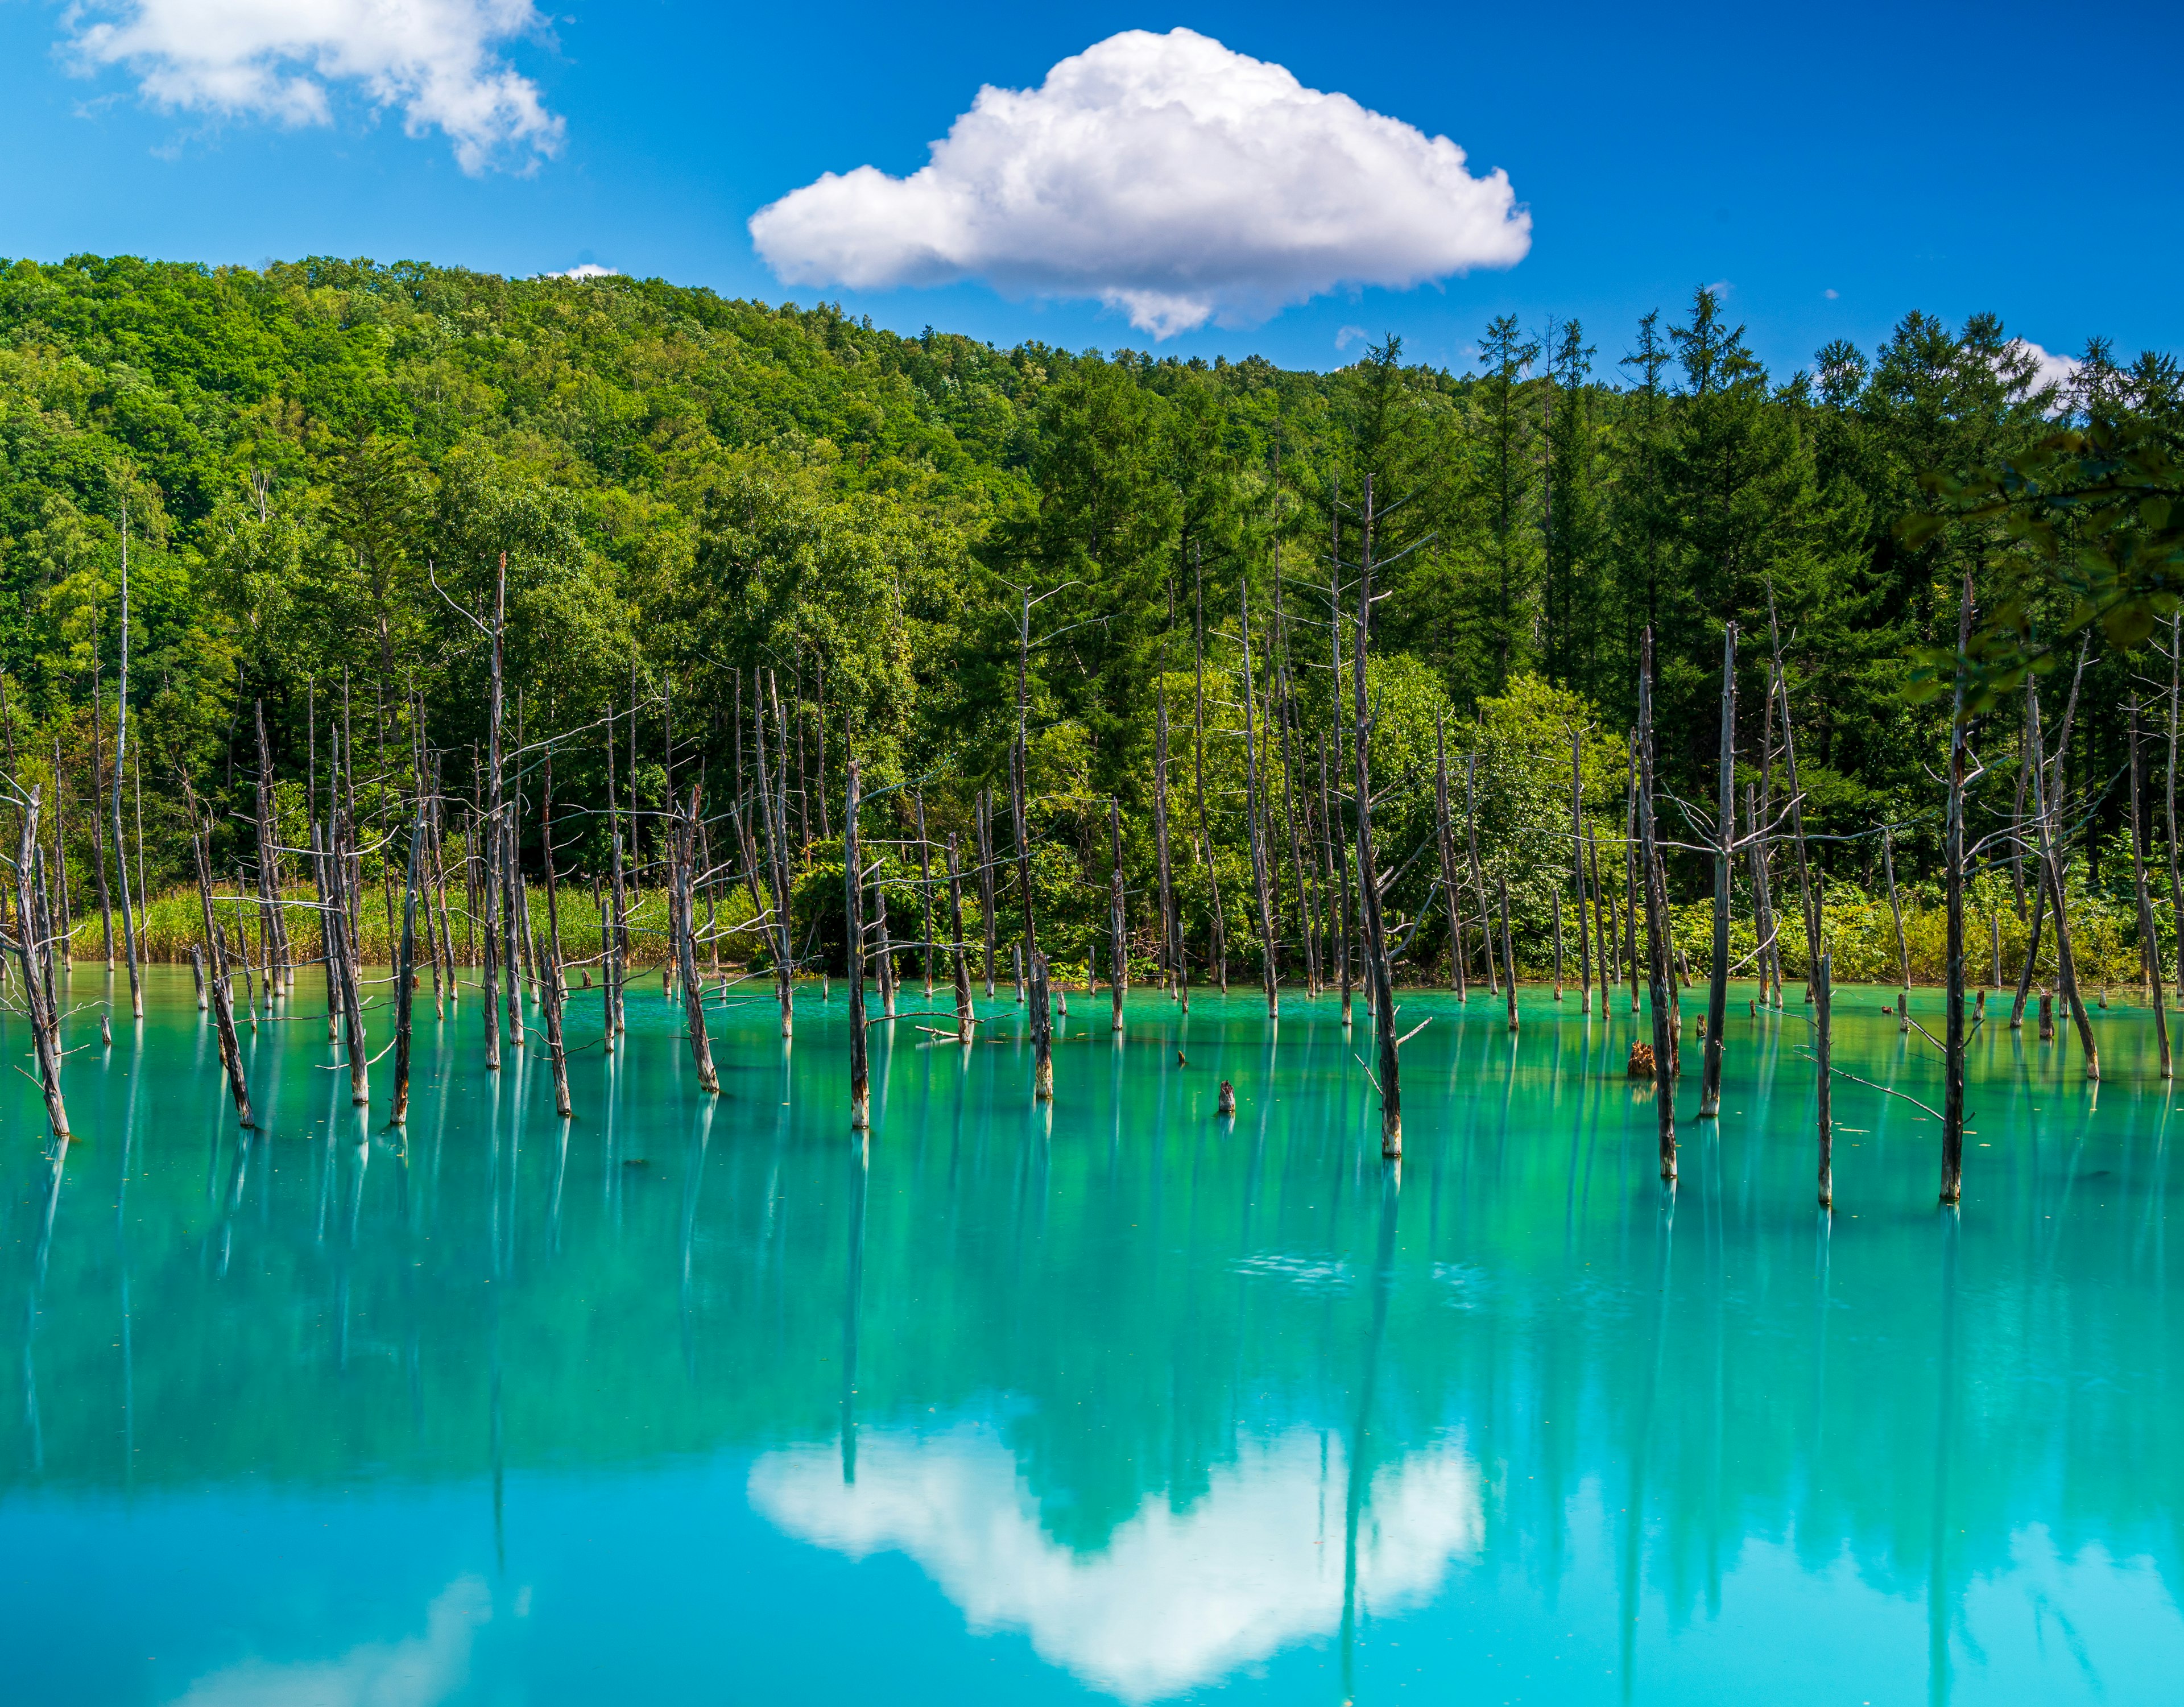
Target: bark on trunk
{"type": "Point", "coordinates": [1723, 860]}
{"type": "Point", "coordinates": [1657, 937]}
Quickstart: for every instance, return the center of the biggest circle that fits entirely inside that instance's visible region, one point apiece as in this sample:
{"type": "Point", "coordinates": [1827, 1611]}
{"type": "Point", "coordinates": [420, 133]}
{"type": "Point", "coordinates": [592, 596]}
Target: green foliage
{"type": "Point", "coordinates": [705, 503]}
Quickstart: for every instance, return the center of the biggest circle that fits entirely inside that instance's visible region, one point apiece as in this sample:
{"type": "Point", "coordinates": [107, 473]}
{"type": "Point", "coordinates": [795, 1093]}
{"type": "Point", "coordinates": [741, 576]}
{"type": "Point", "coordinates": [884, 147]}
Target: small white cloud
{"type": "Point", "coordinates": [2058, 371]}
{"type": "Point", "coordinates": [1720, 288]}
{"type": "Point", "coordinates": [1164, 175]}
{"type": "Point", "coordinates": [1350, 335]}
{"type": "Point", "coordinates": [1831, 295]}
{"type": "Point", "coordinates": [586, 270]}
{"type": "Point", "coordinates": [435, 60]}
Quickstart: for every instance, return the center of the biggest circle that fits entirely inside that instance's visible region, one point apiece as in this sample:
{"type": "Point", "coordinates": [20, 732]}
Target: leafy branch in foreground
{"type": "Point", "coordinates": [2096, 512]}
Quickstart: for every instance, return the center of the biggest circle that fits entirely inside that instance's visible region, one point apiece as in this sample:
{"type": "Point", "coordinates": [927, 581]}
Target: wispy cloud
{"type": "Point", "coordinates": [1164, 175]}
{"type": "Point", "coordinates": [417, 1671]}
{"type": "Point", "coordinates": [436, 61]}
{"type": "Point", "coordinates": [586, 270]}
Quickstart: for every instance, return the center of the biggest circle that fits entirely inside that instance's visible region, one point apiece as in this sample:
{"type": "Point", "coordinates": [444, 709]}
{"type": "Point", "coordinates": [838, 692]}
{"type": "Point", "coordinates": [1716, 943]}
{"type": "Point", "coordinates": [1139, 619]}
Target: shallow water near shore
{"type": "Point", "coordinates": [703, 1399]}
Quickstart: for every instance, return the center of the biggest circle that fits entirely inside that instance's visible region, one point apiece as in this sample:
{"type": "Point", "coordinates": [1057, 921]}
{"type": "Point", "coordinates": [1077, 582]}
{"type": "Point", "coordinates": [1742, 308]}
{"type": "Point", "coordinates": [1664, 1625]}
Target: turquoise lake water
{"type": "Point", "coordinates": [697, 1400]}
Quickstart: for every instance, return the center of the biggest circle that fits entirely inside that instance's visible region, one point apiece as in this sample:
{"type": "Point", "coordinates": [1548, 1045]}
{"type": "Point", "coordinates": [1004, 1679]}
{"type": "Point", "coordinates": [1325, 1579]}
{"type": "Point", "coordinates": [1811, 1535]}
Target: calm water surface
{"type": "Point", "coordinates": [703, 1401]}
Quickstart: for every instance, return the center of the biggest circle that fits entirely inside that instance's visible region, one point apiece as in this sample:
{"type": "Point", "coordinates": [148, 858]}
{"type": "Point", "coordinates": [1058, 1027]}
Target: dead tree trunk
{"type": "Point", "coordinates": [1953, 877]}
{"type": "Point", "coordinates": [925, 922]}
{"type": "Point", "coordinates": [1824, 1038]}
{"type": "Point", "coordinates": [779, 938]}
{"type": "Point", "coordinates": [967, 1015]}
{"type": "Point", "coordinates": [223, 1001]}
{"type": "Point", "coordinates": [2149, 943]}
{"type": "Point", "coordinates": [2169, 786]}
{"type": "Point", "coordinates": [404, 976]}
{"type": "Point", "coordinates": [1577, 871]}
{"type": "Point", "coordinates": [34, 952]}
{"type": "Point", "coordinates": [60, 885]}
{"type": "Point", "coordinates": [1171, 930]}
{"type": "Point", "coordinates": [120, 759]}
{"type": "Point", "coordinates": [1814, 923]}
{"type": "Point", "coordinates": [97, 815]}
{"type": "Point", "coordinates": [1508, 949]}
{"type": "Point", "coordinates": [1477, 871]}
{"type": "Point", "coordinates": [2044, 807]}
{"type": "Point", "coordinates": [1657, 925]}
{"type": "Point", "coordinates": [1723, 860]}
{"type": "Point", "coordinates": [1444, 845]}
{"type": "Point", "coordinates": [852, 944]}
{"type": "Point", "coordinates": [1896, 909]}
{"type": "Point", "coordinates": [343, 944]}
{"type": "Point", "coordinates": [682, 908]}
{"type": "Point", "coordinates": [1269, 972]}
{"type": "Point", "coordinates": [1369, 872]}
{"type": "Point", "coordinates": [1039, 1016]}
{"type": "Point", "coordinates": [1338, 872]}
{"type": "Point", "coordinates": [1217, 945]}
{"type": "Point", "coordinates": [1118, 934]}
{"type": "Point", "coordinates": [270, 920]}
{"type": "Point", "coordinates": [988, 920]}
{"type": "Point", "coordinates": [1307, 926]}
{"type": "Point", "coordinates": [555, 986]}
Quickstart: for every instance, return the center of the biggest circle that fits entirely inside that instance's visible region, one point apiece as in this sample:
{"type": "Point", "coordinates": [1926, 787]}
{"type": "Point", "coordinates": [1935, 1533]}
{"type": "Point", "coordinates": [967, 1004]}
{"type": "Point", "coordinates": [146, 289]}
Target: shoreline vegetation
{"type": "Point", "coordinates": [1860, 936]}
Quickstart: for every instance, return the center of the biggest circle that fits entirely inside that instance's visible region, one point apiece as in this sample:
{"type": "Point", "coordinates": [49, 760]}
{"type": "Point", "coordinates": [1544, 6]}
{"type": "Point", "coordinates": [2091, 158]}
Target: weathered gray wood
{"type": "Point", "coordinates": [1895, 910]}
{"type": "Point", "coordinates": [1577, 876]}
{"type": "Point", "coordinates": [853, 946]}
{"type": "Point", "coordinates": [1039, 1016]}
{"type": "Point", "coordinates": [223, 1013]}
{"type": "Point", "coordinates": [553, 985]}
{"type": "Point", "coordinates": [1217, 940]}
{"type": "Point", "coordinates": [1444, 845]}
{"type": "Point", "coordinates": [1952, 880]}
{"type": "Point", "coordinates": [1377, 967]}
{"type": "Point", "coordinates": [1724, 856]}
{"type": "Point", "coordinates": [1118, 936]}
{"type": "Point", "coordinates": [966, 1014]}
{"type": "Point", "coordinates": [1269, 971]}
{"type": "Point", "coordinates": [1823, 1050]}
{"type": "Point", "coordinates": [1657, 923]}
{"type": "Point", "coordinates": [33, 953]}
{"type": "Point", "coordinates": [2149, 945]}
{"type": "Point", "coordinates": [1508, 949]}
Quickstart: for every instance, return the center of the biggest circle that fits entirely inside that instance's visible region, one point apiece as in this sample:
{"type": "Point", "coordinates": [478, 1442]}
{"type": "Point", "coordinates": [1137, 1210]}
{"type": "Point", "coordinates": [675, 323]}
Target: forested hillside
{"type": "Point", "coordinates": [320, 464]}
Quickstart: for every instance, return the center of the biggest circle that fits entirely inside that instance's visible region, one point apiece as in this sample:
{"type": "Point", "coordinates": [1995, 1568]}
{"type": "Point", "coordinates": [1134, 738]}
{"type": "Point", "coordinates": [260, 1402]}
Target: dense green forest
{"type": "Point", "coordinates": [320, 463]}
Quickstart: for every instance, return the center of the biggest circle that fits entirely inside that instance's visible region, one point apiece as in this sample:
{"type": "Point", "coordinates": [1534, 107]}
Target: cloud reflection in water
{"type": "Point", "coordinates": [1175, 1598]}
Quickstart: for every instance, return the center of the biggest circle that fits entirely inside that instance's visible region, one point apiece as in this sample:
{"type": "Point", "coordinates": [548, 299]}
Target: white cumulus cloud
{"type": "Point", "coordinates": [585, 270]}
{"type": "Point", "coordinates": [1165, 175]}
{"type": "Point", "coordinates": [2049, 369]}
{"type": "Point", "coordinates": [436, 61]}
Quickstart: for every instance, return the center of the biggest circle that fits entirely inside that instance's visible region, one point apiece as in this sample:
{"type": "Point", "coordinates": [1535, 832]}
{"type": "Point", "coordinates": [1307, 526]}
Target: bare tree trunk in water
{"type": "Point", "coordinates": [1269, 973]}
{"type": "Point", "coordinates": [2149, 943]}
{"type": "Point", "coordinates": [1723, 858]}
{"type": "Point", "coordinates": [1118, 953]}
{"type": "Point", "coordinates": [1657, 932]}
{"type": "Point", "coordinates": [852, 948]}
{"type": "Point", "coordinates": [1952, 877]}
{"type": "Point", "coordinates": [1444, 845]}
{"type": "Point", "coordinates": [1368, 875]}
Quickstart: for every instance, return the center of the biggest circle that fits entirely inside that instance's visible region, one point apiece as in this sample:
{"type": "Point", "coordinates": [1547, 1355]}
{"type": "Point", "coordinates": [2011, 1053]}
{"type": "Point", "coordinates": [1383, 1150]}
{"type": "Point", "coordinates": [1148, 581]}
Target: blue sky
{"type": "Point", "coordinates": [1832, 169]}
